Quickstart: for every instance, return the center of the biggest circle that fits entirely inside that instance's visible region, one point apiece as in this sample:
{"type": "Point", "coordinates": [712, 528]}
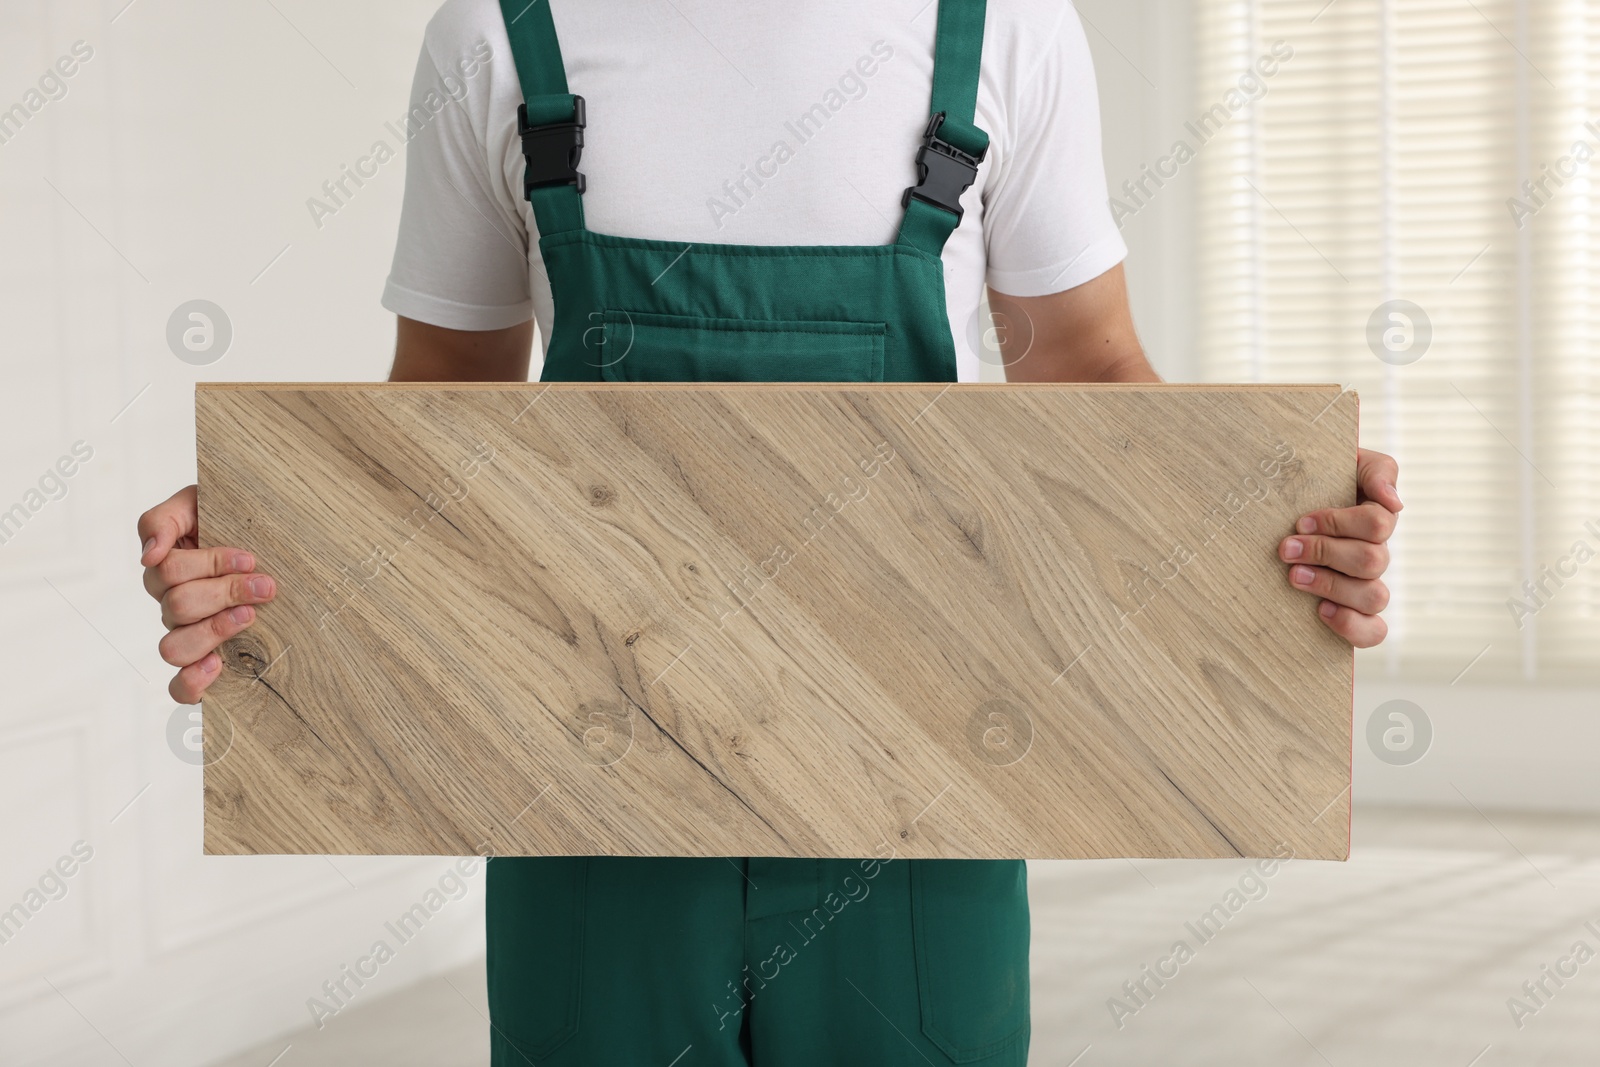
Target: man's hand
{"type": "Point", "coordinates": [207, 595]}
{"type": "Point", "coordinates": [1340, 554]}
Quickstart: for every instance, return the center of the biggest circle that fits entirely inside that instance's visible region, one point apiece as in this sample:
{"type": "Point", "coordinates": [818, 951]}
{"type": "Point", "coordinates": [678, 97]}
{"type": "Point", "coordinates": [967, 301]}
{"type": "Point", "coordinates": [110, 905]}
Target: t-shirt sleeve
{"type": "Point", "coordinates": [1047, 218]}
{"type": "Point", "coordinates": [461, 261]}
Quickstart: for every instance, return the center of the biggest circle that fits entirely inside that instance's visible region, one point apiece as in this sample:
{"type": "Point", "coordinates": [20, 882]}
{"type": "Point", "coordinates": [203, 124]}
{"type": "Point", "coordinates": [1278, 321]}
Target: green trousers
{"type": "Point", "coordinates": [777, 963]}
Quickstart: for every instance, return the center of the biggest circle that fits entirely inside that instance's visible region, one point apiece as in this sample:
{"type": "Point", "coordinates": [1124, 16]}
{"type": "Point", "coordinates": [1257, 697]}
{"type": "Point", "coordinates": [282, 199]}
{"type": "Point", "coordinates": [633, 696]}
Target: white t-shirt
{"type": "Point", "coordinates": [687, 107]}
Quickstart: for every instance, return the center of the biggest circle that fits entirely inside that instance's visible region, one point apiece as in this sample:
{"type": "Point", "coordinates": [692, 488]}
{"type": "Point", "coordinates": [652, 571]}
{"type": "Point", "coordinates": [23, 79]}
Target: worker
{"type": "Point", "coordinates": [763, 191]}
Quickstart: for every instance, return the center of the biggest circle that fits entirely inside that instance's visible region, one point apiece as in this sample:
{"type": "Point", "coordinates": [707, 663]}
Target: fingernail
{"type": "Point", "coordinates": [1306, 525]}
{"type": "Point", "coordinates": [1394, 493]}
{"type": "Point", "coordinates": [209, 665]}
{"type": "Point", "coordinates": [1327, 608]}
{"type": "Point", "coordinates": [261, 587]}
{"type": "Point", "coordinates": [243, 561]}
{"type": "Point", "coordinates": [1301, 575]}
{"type": "Point", "coordinates": [1293, 548]}
{"type": "Point", "coordinates": [149, 543]}
{"type": "Point", "coordinates": [242, 614]}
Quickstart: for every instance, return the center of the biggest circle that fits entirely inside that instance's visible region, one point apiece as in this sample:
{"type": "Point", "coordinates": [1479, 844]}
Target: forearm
{"type": "Point", "coordinates": [1129, 365]}
{"type": "Point", "coordinates": [1086, 363]}
{"type": "Point", "coordinates": [425, 353]}
{"type": "Point", "coordinates": [1084, 334]}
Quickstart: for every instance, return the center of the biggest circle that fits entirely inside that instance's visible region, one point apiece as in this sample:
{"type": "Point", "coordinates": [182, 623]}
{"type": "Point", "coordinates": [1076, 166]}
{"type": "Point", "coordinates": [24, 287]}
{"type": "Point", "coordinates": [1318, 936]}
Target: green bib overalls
{"type": "Point", "coordinates": [877, 962]}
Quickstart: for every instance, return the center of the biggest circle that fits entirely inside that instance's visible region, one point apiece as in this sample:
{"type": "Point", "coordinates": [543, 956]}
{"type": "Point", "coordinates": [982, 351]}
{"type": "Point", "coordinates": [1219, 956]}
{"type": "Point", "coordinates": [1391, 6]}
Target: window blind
{"type": "Point", "coordinates": [1406, 206]}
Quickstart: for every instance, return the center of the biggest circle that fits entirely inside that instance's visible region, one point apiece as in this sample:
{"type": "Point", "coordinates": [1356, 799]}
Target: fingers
{"type": "Point", "coordinates": [187, 685]}
{"type": "Point", "coordinates": [1362, 631]}
{"type": "Point", "coordinates": [1366, 596]}
{"type": "Point", "coordinates": [205, 594]}
{"type": "Point", "coordinates": [189, 564]}
{"type": "Point", "coordinates": [1367, 521]}
{"type": "Point", "coordinates": [1358, 559]}
{"type": "Point", "coordinates": [189, 644]}
{"type": "Point", "coordinates": [1373, 518]}
{"type": "Point", "coordinates": [1376, 474]}
{"type": "Point", "coordinates": [1349, 607]}
{"type": "Point", "coordinates": [200, 599]}
{"type": "Point", "coordinates": [1339, 554]}
{"type": "Point", "coordinates": [167, 524]}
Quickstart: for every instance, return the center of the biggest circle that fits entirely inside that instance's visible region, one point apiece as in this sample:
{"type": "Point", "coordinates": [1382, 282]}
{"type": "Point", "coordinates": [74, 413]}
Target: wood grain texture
{"type": "Point", "coordinates": [1041, 621]}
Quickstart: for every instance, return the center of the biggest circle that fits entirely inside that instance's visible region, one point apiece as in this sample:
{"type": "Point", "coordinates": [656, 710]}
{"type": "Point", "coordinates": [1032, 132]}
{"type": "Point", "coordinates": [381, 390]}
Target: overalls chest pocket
{"type": "Point", "coordinates": [651, 347]}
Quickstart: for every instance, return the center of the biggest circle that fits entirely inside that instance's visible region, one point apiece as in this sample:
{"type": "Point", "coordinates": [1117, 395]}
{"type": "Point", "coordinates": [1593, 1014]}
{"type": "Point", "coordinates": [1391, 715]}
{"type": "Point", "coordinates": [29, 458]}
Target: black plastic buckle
{"type": "Point", "coordinates": [944, 172]}
{"type": "Point", "coordinates": [552, 150]}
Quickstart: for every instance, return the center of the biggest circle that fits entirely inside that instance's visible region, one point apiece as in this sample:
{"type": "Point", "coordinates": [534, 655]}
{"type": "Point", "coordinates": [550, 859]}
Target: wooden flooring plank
{"type": "Point", "coordinates": [1044, 621]}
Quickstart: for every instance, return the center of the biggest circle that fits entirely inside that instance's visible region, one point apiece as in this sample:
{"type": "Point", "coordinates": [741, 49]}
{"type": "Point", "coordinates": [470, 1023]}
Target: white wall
{"type": "Point", "coordinates": [181, 157]}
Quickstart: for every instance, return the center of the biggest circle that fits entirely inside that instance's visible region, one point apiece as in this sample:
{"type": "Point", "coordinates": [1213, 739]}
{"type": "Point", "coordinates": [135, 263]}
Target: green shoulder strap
{"type": "Point", "coordinates": [537, 54]}
{"type": "Point", "coordinates": [957, 49]}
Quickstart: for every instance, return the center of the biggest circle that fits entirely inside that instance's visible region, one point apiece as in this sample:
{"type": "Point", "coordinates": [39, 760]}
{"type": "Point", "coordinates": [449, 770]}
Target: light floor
{"type": "Point", "coordinates": [1404, 956]}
